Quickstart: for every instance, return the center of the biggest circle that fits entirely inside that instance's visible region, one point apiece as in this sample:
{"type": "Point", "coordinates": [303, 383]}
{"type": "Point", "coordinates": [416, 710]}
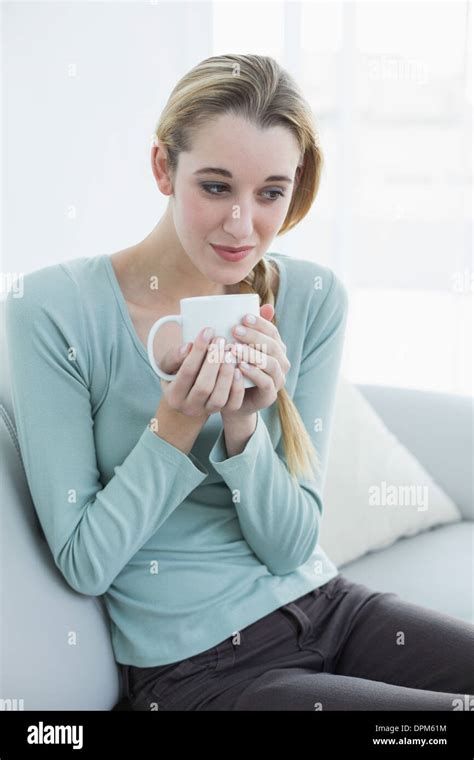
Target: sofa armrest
{"type": "Point", "coordinates": [438, 429]}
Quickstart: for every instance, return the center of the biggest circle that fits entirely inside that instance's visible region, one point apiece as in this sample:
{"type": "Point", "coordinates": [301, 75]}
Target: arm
{"type": "Point", "coordinates": [176, 428]}
{"type": "Point", "coordinates": [280, 517]}
{"type": "Point", "coordinates": [237, 434]}
{"type": "Point", "coordinates": [92, 531]}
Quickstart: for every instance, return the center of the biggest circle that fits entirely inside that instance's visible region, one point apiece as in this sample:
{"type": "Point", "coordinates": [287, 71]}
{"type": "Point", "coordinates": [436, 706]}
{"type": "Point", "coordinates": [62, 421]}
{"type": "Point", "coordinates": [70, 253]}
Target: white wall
{"type": "Point", "coordinates": [389, 83]}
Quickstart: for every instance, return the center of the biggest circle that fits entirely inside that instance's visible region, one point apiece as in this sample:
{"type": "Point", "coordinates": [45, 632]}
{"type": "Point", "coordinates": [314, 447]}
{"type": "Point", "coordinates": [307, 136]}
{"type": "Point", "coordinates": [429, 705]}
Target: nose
{"type": "Point", "coordinates": [239, 221]}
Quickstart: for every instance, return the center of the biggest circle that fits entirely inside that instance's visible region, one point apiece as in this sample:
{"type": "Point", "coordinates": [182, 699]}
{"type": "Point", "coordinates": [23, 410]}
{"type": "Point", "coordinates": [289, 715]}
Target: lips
{"type": "Point", "coordinates": [233, 250]}
{"type": "Point", "coordinates": [232, 254]}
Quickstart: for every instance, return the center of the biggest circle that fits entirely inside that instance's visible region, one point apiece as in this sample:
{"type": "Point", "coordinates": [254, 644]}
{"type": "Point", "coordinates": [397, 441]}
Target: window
{"type": "Point", "coordinates": [389, 84]}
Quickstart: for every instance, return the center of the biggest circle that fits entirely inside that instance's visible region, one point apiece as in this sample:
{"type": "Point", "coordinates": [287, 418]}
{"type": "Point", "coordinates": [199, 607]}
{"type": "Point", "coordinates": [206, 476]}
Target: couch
{"type": "Point", "coordinates": [56, 651]}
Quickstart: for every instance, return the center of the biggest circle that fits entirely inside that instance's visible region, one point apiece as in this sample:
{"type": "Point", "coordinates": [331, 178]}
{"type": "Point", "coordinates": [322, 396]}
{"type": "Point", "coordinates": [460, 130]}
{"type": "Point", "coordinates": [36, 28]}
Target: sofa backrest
{"type": "Point", "coordinates": [56, 644]}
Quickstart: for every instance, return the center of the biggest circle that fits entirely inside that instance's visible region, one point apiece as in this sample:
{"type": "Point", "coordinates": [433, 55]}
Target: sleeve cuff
{"type": "Point", "coordinates": [218, 454]}
{"type": "Point", "coordinates": [172, 455]}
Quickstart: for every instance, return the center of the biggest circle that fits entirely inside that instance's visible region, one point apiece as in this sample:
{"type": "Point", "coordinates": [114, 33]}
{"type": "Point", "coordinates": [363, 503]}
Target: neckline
{"type": "Point", "coordinates": [120, 298]}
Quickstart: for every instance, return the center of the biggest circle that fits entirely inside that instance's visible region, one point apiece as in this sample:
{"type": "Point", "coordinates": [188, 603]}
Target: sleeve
{"type": "Point", "coordinates": [280, 516]}
{"type": "Point", "coordinates": [92, 531]}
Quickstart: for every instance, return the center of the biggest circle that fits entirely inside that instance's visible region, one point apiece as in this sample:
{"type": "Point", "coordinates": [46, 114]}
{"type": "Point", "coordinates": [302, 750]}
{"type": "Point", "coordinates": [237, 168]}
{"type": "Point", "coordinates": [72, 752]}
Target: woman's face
{"type": "Point", "coordinates": [241, 208]}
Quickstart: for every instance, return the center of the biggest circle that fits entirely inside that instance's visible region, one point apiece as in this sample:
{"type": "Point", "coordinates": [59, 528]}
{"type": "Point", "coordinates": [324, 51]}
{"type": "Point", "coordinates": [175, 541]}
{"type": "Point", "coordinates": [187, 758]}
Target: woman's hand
{"type": "Point", "coordinates": [204, 382]}
{"type": "Point", "coordinates": [263, 349]}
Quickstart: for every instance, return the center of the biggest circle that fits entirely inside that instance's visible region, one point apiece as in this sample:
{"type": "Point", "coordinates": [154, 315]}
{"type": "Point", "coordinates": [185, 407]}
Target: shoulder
{"type": "Point", "coordinates": [56, 288]}
{"type": "Point", "coordinates": [47, 305]}
{"type": "Point", "coordinates": [310, 285]}
{"type": "Point", "coordinates": [45, 313]}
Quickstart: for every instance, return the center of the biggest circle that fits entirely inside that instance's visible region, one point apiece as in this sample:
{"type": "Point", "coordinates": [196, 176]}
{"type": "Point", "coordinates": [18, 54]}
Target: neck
{"type": "Point", "coordinates": [161, 255]}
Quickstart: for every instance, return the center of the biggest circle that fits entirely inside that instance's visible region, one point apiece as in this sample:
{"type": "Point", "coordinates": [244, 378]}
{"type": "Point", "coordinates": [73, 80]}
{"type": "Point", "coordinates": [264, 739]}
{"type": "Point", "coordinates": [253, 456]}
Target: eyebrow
{"type": "Point", "coordinates": [226, 173]}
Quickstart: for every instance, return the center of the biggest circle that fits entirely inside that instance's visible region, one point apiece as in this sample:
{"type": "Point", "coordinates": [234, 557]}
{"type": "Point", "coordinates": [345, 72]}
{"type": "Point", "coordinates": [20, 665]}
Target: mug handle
{"type": "Point", "coordinates": [151, 336]}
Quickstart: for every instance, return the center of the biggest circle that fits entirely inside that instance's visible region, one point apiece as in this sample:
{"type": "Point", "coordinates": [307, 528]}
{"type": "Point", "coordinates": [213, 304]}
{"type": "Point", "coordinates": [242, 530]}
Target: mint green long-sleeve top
{"type": "Point", "coordinates": [186, 549]}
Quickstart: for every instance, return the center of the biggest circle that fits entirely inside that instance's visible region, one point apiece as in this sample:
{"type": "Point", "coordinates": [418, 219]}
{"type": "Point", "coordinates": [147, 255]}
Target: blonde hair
{"type": "Point", "coordinates": [254, 87]}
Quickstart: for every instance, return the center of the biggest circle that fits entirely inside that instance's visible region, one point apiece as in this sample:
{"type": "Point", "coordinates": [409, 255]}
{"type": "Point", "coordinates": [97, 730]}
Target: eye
{"type": "Point", "coordinates": [207, 188]}
{"type": "Point", "coordinates": [279, 193]}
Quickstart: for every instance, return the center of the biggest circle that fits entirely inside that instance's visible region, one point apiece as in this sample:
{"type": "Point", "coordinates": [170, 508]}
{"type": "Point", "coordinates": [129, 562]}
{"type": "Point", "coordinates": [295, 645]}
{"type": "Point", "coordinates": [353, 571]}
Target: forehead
{"type": "Point", "coordinates": [233, 143]}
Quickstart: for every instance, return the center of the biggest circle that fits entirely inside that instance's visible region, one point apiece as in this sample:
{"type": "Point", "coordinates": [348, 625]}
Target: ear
{"type": "Point", "coordinates": [267, 311]}
{"type": "Point", "coordinates": [298, 174]}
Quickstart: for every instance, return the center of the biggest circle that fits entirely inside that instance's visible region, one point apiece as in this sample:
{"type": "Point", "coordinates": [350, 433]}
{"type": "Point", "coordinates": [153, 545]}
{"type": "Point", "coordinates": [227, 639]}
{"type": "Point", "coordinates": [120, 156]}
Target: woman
{"type": "Point", "coordinates": [204, 536]}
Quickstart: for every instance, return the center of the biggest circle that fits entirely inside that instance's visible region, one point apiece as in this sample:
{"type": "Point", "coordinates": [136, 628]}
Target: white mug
{"type": "Point", "coordinates": [221, 313]}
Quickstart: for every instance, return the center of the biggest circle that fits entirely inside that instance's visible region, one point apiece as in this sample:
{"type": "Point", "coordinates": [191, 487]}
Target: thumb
{"type": "Point", "coordinates": [267, 311]}
{"type": "Point", "coordinates": [173, 359]}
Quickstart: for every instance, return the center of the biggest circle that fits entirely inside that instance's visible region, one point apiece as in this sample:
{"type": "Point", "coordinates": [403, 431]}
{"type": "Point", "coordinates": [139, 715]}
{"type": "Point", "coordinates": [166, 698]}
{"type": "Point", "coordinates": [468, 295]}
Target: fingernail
{"type": "Point", "coordinates": [244, 364]}
{"type": "Point", "coordinates": [184, 348]}
{"type": "Point", "coordinates": [251, 319]}
{"type": "Point", "coordinates": [240, 330]}
{"type": "Point", "coordinates": [208, 333]}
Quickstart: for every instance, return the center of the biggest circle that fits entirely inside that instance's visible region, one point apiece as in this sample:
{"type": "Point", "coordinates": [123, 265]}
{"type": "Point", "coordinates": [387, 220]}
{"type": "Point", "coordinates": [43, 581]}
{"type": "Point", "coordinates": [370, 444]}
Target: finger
{"type": "Point", "coordinates": [190, 367]}
{"type": "Point", "coordinates": [206, 379]}
{"type": "Point", "coordinates": [260, 324]}
{"type": "Point", "coordinates": [262, 334]}
{"type": "Point", "coordinates": [267, 311]}
{"type": "Point", "coordinates": [237, 391]}
{"type": "Point", "coordinates": [174, 358]}
{"type": "Point", "coordinates": [276, 367]}
{"type": "Point", "coordinates": [219, 396]}
{"type": "Point", "coordinates": [270, 349]}
{"type": "Point", "coordinates": [260, 378]}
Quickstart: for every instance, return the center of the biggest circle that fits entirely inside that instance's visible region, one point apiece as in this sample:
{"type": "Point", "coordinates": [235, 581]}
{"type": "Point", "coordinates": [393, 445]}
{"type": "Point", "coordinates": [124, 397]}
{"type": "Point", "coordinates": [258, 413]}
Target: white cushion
{"type": "Point", "coordinates": [375, 491]}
